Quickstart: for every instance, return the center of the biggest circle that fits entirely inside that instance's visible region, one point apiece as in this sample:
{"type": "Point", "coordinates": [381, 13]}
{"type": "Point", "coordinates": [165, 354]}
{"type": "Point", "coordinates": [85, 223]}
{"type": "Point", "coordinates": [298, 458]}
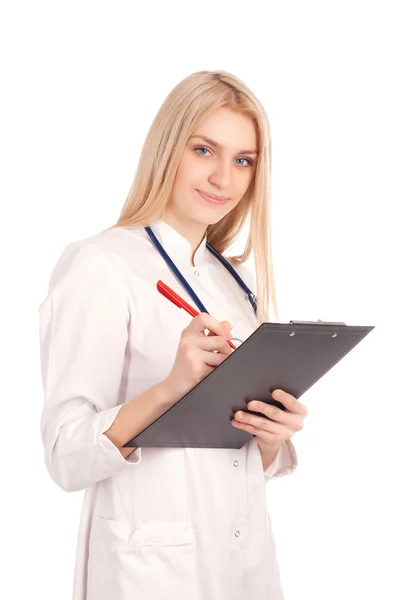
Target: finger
{"type": "Point", "coordinates": [214, 343]}
{"type": "Point", "coordinates": [205, 321]}
{"type": "Point", "coordinates": [261, 423]}
{"type": "Point", "coordinates": [292, 420]}
{"type": "Point", "coordinates": [290, 402]}
{"type": "Point", "coordinates": [213, 359]}
{"type": "Point", "coordinates": [262, 435]}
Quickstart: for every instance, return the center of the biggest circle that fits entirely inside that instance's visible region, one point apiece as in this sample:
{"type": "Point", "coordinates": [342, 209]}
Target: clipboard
{"type": "Point", "coordinates": [290, 356]}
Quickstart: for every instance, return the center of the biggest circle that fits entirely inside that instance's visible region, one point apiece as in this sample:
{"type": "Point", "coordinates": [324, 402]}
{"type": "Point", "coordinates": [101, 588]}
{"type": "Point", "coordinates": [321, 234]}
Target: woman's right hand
{"type": "Point", "coordinates": [196, 357]}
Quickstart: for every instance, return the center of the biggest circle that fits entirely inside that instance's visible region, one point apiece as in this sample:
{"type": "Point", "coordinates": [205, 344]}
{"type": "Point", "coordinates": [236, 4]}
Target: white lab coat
{"type": "Point", "coordinates": [167, 523]}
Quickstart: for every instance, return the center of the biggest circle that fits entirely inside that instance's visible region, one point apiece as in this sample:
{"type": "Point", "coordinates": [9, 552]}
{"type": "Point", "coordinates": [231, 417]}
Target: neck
{"type": "Point", "coordinates": [192, 231]}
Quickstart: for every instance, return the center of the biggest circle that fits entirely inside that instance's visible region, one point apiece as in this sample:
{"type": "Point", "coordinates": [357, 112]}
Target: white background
{"type": "Point", "coordinates": [81, 84]}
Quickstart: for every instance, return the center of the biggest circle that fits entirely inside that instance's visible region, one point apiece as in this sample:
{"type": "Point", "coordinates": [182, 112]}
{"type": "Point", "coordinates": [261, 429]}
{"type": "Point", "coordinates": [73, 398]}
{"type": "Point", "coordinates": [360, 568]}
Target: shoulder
{"type": "Point", "coordinates": [95, 257]}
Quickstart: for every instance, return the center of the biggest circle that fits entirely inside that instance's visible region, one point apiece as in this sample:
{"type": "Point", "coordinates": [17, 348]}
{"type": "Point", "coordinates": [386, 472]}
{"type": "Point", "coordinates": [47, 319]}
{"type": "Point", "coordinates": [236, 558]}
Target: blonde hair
{"type": "Point", "coordinates": [177, 119]}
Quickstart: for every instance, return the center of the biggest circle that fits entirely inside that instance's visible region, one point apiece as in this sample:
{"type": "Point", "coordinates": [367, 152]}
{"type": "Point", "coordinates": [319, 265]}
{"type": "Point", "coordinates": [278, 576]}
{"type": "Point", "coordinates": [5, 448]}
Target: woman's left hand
{"type": "Point", "coordinates": [281, 427]}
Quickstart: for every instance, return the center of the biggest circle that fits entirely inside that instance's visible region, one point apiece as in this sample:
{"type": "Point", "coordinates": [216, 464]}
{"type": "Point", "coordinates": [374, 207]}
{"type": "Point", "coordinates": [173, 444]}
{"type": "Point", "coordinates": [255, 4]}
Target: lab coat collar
{"type": "Point", "coordinates": [178, 247]}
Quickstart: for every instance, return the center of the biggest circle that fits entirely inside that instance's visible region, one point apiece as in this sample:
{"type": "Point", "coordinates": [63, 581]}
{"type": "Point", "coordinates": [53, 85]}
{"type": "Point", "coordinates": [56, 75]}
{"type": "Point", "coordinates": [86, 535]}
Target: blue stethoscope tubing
{"type": "Point", "coordinates": [185, 284]}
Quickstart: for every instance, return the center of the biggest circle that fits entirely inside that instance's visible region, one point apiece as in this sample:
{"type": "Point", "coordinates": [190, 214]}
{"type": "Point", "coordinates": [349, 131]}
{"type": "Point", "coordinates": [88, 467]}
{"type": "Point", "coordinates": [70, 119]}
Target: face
{"type": "Point", "coordinates": [222, 165]}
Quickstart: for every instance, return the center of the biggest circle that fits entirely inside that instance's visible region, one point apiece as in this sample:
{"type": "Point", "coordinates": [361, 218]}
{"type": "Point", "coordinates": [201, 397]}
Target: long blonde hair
{"type": "Point", "coordinates": [177, 119]}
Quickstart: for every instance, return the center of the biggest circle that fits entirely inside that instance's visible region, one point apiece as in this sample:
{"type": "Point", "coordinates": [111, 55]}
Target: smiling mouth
{"type": "Point", "coordinates": [211, 199]}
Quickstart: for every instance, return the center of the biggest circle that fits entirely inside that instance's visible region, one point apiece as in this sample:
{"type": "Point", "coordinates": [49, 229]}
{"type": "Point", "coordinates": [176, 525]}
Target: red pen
{"type": "Point", "coordinates": [180, 302]}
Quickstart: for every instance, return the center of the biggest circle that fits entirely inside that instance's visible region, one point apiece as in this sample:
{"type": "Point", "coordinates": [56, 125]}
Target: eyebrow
{"type": "Point", "coordinates": [218, 145]}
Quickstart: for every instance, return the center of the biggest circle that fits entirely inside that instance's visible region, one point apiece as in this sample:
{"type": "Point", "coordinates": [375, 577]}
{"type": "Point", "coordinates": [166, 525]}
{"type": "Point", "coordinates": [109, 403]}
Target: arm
{"type": "Point", "coordinates": [280, 462]}
{"type": "Point", "coordinates": [268, 455]}
{"type": "Point", "coordinates": [137, 414]}
{"type": "Point", "coordinates": [83, 337]}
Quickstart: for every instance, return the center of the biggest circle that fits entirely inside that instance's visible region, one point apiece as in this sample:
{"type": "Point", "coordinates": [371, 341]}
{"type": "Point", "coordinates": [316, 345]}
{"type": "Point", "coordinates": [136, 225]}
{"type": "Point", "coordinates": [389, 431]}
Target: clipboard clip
{"type": "Point", "coordinates": [319, 322]}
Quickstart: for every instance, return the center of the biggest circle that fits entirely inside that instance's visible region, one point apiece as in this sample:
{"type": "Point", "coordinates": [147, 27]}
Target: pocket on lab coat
{"type": "Point", "coordinates": [155, 560]}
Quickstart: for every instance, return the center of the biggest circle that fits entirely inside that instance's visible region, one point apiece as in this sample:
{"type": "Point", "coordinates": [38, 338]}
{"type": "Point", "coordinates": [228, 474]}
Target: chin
{"type": "Point", "coordinates": [208, 217]}
{"type": "Point", "coordinates": [201, 214]}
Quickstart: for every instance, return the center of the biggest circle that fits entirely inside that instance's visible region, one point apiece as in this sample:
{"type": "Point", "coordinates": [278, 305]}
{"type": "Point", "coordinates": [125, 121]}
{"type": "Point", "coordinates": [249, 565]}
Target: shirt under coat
{"type": "Point", "coordinates": [166, 523]}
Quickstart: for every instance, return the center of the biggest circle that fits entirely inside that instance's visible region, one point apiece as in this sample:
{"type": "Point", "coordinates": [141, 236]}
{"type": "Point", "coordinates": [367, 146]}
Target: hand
{"type": "Point", "coordinates": [198, 353]}
{"type": "Point", "coordinates": [280, 425]}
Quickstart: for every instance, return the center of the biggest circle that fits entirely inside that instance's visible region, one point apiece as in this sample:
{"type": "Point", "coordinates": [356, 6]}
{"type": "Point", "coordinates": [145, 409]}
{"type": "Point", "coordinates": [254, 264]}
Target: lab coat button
{"type": "Point", "coordinates": [237, 533]}
{"type": "Point", "coordinates": [197, 273]}
{"type": "Point", "coordinates": [235, 464]}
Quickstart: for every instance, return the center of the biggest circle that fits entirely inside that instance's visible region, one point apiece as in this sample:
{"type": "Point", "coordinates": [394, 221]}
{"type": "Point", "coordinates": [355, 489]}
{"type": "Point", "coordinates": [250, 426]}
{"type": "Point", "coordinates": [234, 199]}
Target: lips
{"type": "Point", "coordinates": [213, 199]}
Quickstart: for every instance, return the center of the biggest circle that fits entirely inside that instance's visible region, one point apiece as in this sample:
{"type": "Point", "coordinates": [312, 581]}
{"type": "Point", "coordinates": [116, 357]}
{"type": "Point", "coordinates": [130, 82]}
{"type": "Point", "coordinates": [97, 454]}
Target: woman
{"type": "Point", "coordinates": [168, 523]}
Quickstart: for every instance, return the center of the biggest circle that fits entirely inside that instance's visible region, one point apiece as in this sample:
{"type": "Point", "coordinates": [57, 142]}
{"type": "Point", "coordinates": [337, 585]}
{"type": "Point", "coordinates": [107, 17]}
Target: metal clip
{"type": "Point", "coordinates": [319, 322]}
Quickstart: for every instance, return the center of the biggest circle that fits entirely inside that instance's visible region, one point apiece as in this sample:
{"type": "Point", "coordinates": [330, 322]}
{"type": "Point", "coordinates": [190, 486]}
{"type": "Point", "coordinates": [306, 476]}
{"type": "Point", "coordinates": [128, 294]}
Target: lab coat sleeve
{"type": "Point", "coordinates": [285, 462]}
{"type": "Point", "coordinates": [83, 326]}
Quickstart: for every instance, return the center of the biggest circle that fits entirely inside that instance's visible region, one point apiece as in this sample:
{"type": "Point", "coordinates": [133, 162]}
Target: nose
{"type": "Point", "coordinates": [221, 174]}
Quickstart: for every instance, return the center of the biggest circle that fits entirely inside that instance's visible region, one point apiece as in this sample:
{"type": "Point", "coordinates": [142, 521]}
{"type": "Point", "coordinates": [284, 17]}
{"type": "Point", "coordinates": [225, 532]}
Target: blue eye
{"type": "Point", "coordinates": [249, 161]}
{"type": "Point", "coordinates": [201, 148]}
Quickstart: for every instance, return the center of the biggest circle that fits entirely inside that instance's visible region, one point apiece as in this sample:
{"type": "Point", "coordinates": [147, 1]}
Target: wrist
{"type": "Point", "coordinates": [270, 447]}
{"type": "Point", "coordinates": [166, 395]}
{"type": "Point", "coordinates": [268, 453]}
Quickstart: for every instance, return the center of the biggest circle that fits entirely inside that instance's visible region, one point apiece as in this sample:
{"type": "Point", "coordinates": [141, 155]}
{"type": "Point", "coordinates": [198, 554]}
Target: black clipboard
{"type": "Point", "coordinates": [290, 356]}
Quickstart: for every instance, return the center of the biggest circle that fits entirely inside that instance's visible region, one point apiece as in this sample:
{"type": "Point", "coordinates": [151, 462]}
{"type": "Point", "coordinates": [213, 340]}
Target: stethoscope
{"type": "Point", "coordinates": [251, 297]}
